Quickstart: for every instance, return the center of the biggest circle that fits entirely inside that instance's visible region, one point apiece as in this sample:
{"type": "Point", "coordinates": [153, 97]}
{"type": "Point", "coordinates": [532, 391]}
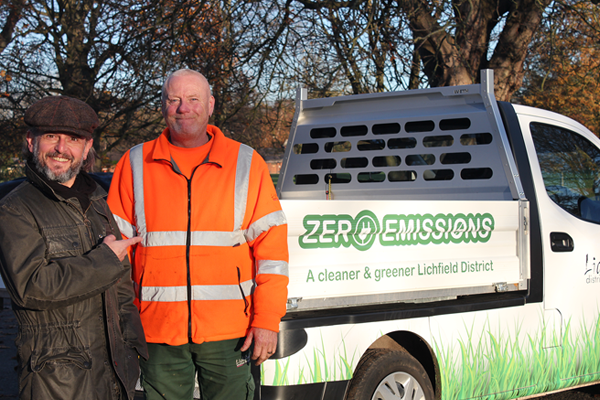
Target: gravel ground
{"type": "Point", "coordinates": [586, 393]}
{"type": "Point", "coordinates": [9, 389]}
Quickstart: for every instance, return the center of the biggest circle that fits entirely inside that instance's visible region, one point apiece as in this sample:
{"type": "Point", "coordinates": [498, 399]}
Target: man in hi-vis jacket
{"type": "Point", "coordinates": [211, 271]}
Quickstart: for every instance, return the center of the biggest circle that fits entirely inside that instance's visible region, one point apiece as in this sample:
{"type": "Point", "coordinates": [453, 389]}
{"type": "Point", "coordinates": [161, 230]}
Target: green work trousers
{"type": "Point", "coordinates": [223, 371]}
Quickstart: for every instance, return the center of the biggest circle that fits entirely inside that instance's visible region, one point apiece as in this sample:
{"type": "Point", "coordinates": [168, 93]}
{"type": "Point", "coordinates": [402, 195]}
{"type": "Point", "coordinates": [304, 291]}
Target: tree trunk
{"type": "Point", "coordinates": [508, 58]}
{"type": "Point", "coordinates": [456, 59]}
{"type": "Point", "coordinates": [14, 15]}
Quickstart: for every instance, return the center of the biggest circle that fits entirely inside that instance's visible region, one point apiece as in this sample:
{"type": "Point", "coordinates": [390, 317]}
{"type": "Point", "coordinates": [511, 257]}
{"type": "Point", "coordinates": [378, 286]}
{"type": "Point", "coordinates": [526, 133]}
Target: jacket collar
{"type": "Point", "coordinates": [39, 183]}
{"type": "Point", "coordinates": [217, 154]}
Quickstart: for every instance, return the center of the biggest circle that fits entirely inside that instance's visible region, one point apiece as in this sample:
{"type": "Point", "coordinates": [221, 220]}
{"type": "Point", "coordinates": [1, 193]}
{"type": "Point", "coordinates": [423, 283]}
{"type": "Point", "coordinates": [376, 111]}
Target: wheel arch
{"type": "Point", "coordinates": [417, 347]}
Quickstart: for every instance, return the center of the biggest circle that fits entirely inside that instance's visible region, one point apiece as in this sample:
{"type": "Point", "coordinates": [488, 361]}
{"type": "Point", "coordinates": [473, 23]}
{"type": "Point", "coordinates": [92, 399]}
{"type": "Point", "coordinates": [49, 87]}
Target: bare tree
{"type": "Point", "coordinates": [367, 42]}
{"type": "Point", "coordinates": [115, 54]}
{"type": "Point", "coordinates": [10, 15]}
{"type": "Point", "coordinates": [448, 42]}
{"type": "Point", "coordinates": [236, 45]}
{"type": "Point", "coordinates": [83, 49]}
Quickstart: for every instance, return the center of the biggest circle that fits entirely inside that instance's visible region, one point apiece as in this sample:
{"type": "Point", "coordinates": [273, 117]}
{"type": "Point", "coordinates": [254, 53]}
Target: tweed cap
{"type": "Point", "coordinates": [62, 114]}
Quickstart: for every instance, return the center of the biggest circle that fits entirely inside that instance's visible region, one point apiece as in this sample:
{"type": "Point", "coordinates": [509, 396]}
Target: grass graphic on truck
{"type": "Point", "coordinates": [496, 365]}
{"type": "Point", "coordinates": [332, 231]}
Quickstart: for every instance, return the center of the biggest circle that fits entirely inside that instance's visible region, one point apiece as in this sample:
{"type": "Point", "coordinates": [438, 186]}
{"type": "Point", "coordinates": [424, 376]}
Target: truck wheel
{"type": "Point", "coordinates": [384, 374]}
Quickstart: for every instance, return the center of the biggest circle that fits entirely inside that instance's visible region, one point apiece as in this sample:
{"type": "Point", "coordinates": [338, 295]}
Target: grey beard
{"type": "Point", "coordinates": [41, 166]}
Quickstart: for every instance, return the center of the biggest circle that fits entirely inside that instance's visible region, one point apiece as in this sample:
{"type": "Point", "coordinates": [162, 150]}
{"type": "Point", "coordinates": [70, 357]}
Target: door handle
{"type": "Point", "coordinates": [561, 242]}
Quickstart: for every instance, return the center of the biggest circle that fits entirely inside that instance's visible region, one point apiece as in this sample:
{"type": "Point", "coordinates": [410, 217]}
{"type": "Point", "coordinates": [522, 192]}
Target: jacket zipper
{"type": "Point", "coordinates": [188, 246]}
{"type": "Point", "coordinates": [187, 257]}
{"type": "Point", "coordinates": [188, 243]}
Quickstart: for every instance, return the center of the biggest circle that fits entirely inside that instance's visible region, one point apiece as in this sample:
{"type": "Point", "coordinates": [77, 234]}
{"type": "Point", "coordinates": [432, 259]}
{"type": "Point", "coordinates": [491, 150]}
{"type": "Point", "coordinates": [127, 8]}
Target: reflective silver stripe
{"type": "Point", "coordinates": [125, 227]}
{"type": "Point", "coordinates": [273, 267]}
{"type": "Point", "coordinates": [242, 181]}
{"type": "Point", "coordinates": [199, 292]}
{"type": "Point", "coordinates": [136, 160]}
{"type": "Point", "coordinates": [166, 238]}
{"type": "Point", "coordinates": [217, 238]}
{"type": "Point", "coordinates": [199, 238]}
{"type": "Point", "coordinates": [222, 292]}
{"type": "Point", "coordinates": [275, 218]}
{"type": "Point", "coordinates": [164, 293]}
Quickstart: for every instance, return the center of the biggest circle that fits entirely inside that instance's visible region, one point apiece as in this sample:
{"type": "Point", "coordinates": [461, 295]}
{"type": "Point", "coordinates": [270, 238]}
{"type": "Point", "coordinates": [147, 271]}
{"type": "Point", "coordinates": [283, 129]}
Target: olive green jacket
{"type": "Point", "coordinates": [79, 331]}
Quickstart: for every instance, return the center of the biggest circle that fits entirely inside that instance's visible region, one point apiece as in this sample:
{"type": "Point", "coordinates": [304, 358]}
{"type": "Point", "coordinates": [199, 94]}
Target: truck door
{"type": "Point", "coordinates": [566, 177]}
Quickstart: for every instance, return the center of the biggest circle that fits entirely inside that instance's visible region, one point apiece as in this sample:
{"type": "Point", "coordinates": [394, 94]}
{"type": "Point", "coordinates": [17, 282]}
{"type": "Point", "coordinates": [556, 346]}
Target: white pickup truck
{"type": "Point", "coordinates": [443, 245]}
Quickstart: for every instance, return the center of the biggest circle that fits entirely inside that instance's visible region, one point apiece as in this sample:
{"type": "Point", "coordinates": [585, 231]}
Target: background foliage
{"type": "Point", "coordinates": [114, 54]}
{"type": "Point", "coordinates": [563, 72]}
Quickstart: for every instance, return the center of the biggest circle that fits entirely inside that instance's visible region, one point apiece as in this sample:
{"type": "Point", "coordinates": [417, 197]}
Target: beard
{"type": "Point", "coordinates": [40, 163]}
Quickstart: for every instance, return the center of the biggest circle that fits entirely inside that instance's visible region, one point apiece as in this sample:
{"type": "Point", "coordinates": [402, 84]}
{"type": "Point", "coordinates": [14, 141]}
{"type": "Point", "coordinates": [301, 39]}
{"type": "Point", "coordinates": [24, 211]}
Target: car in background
{"type": "Point", "coordinates": [102, 178]}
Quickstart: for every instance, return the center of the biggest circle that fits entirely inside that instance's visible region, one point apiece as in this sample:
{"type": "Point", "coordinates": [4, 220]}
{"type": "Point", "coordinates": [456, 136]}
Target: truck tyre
{"type": "Point", "coordinates": [384, 374]}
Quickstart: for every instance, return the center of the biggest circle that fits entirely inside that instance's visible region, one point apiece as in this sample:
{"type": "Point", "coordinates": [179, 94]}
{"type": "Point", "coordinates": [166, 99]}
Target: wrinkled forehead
{"type": "Point", "coordinates": [186, 84]}
{"type": "Point", "coordinates": [37, 133]}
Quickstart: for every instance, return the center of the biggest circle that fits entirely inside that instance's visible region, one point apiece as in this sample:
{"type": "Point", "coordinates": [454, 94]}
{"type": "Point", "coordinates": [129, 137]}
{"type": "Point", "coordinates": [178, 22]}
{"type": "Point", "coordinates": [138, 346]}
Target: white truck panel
{"type": "Point", "coordinates": [374, 256]}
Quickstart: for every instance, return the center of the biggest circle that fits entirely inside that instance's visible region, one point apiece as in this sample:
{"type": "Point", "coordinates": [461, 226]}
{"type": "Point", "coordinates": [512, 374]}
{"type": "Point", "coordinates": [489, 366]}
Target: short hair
{"type": "Point", "coordinates": [90, 161]}
{"type": "Point", "coordinates": [182, 72]}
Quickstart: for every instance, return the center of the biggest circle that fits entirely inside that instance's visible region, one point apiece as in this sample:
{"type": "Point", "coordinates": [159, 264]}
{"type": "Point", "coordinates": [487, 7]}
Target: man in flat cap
{"type": "Point", "coordinates": [65, 266]}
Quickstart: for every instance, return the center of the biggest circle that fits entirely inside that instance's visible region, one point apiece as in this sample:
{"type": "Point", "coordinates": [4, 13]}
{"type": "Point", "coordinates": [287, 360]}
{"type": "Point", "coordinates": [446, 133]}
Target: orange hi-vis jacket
{"type": "Point", "coordinates": [213, 260]}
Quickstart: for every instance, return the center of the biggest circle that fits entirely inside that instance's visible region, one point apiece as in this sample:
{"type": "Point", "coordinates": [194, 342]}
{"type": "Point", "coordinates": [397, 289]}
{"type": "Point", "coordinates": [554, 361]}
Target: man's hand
{"type": "Point", "coordinates": [265, 343]}
{"type": "Point", "coordinates": [119, 247]}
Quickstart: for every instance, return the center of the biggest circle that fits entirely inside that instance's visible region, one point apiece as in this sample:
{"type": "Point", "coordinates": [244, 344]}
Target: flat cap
{"type": "Point", "coordinates": [62, 114]}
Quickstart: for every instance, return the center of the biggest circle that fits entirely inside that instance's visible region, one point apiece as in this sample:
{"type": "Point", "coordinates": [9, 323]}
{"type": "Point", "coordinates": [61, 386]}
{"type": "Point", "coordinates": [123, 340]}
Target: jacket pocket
{"type": "Point", "coordinates": [62, 242]}
{"type": "Point", "coordinates": [128, 367]}
{"type": "Point", "coordinates": [60, 356]}
{"type": "Point", "coordinates": [56, 362]}
{"type": "Point", "coordinates": [246, 303]}
{"type": "Point", "coordinates": [54, 344]}
{"type": "Point", "coordinates": [62, 373]}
